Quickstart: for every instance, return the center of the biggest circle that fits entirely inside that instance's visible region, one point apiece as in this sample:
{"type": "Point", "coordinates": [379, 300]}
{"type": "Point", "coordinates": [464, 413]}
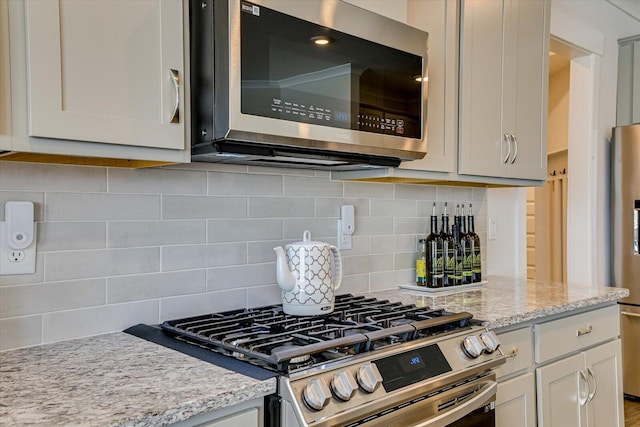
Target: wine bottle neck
{"type": "Point", "coordinates": [471, 224]}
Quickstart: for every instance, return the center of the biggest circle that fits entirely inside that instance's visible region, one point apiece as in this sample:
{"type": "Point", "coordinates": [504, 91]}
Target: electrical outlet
{"type": "Point", "coordinates": [16, 256]}
{"type": "Point", "coordinates": [345, 241]}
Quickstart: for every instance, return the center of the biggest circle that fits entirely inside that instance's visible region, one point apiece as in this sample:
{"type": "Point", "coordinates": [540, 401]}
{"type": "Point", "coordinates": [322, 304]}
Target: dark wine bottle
{"type": "Point", "coordinates": [465, 243]}
{"type": "Point", "coordinates": [475, 248]}
{"type": "Point", "coordinates": [458, 256]}
{"type": "Point", "coordinates": [435, 266]}
{"type": "Point", "coordinates": [447, 248]}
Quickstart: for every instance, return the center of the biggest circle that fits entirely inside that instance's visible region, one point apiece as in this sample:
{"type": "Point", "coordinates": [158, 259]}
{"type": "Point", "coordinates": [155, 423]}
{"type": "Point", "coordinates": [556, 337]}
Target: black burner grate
{"type": "Point", "coordinates": [268, 337]}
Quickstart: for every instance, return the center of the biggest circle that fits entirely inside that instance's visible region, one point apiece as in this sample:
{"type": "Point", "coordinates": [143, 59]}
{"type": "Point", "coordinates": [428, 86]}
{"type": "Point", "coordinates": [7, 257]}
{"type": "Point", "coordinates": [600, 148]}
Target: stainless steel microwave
{"type": "Point", "coordinates": [305, 83]}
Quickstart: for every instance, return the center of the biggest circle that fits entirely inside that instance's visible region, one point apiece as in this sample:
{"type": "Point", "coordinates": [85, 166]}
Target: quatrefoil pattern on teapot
{"type": "Point", "coordinates": [313, 275]}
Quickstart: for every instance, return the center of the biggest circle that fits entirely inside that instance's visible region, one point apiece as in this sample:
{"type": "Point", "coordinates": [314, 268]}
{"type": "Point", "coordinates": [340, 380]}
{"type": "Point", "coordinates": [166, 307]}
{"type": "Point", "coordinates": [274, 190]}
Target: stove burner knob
{"type": "Point", "coordinates": [490, 341]}
{"type": "Point", "coordinates": [472, 346]}
{"type": "Point", "coordinates": [316, 394]}
{"type": "Point", "coordinates": [343, 386]}
{"type": "Point", "coordinates": [368, 378]}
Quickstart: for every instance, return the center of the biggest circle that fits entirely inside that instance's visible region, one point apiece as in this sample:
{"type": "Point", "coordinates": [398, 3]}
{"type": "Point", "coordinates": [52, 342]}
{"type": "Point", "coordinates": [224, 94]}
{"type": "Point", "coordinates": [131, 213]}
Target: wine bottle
{"type": "Point", "coordinates": [458, 256]}
{"type": "Point", "coordinates": [421, 263]}
{"type": "Point", "coordinates": [465, 243]}
{"type": "Point", "coordinates": [435, 266]}
{"type": "Point", "coordinates": [475, 248]}
{"type": "Point", "coordinates": [447, 248]}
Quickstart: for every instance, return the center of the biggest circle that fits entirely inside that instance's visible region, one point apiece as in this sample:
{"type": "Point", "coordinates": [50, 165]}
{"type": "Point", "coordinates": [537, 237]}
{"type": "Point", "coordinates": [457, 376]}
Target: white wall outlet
{"type": "Point", "coordinates": [346, 226]}
{"type": "Point", "coordinates": [17, 239]}
{"type": "Point", "coordinates": [491, 229]}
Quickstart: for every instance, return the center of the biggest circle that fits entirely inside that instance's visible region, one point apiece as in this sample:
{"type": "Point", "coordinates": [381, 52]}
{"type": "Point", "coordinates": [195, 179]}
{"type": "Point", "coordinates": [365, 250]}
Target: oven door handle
{"type": "Point", "coordinates": [484, 396]}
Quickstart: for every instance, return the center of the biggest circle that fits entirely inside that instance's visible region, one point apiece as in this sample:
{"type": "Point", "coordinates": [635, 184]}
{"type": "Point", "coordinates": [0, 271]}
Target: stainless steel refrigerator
{"type": "Point", "coordinates": [625, 192]}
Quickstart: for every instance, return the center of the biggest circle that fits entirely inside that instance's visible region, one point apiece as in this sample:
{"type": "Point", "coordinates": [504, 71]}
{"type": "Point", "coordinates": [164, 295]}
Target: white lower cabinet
{"type": "Point", "coordinates": [516, 402]}
{"type": "Point", "coordinates": [245, 419]}
{"type": "Point", "coordinates": [582, 390]}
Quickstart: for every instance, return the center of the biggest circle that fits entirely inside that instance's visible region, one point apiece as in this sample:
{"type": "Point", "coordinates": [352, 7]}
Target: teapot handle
{"type": "Point", "coordinates": [337, 263]}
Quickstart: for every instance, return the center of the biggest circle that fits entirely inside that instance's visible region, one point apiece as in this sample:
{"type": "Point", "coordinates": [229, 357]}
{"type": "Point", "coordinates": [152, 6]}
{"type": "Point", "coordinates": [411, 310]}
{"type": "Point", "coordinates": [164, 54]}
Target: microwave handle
{"type": "Point", "coordinates": [485, 395]}
{"type": "Point", "coordinates": [175, 79]}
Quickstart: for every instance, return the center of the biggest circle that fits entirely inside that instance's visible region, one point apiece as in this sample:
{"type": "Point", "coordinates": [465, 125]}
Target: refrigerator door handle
{"type": "Point", "coordinates": [626, 313]}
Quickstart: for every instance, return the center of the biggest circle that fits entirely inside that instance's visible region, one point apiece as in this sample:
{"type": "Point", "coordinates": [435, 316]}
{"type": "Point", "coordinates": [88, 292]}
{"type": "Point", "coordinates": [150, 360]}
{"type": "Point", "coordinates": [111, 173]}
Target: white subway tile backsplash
{"type": "Point", "coordinates": [68, 236]}
{"type": "Point", "coordinates": [264, 295]}
{"type": "Point", "coordinates": [156, 285]}
{"type": "Point", "coordinates": [20, 332]}
{"type": "Point", "coordinates": [241, 276]}
{"type": "Point", "coordinates": [391, 279]}
{"type": "Point", "coordinates": [100, 263]}
{"type": "Point", "coordinates": [23, 196]}
{"type": "Point", "coordinates": [118, 247]}
{"type": "Point", "coordinates": [202, 207]}
{"type": "Point", "coordinates": [294, 228]}
{"type": "Point", "coordinates": [98, 206]}
{"type": "Point", "coordinates": [203, 256]}
{"type": "Point", "coordinates": [126, 234]}
{"type": "Point", "coordinates": [330, 207]}
{"type": "Point", "coordinates": [34, 299]}
{"type": "Point", "coordinates": [393, 208]}
{"type": "Point", "coordinates": [311, 186]}
{"type": "Point", "coordinates": [233, 230]}
{"type": "Point", "coordinates": [157, 181]}
{"type": "Point", "coordinates": [64, 325]}
{"type": "Point", "coordinates": [210, 302]}
{"type": "Point", "coordinates": [280, 207]}
{"type": "Point", "coordinates": [46, 177]}
{"type": "Point", "coordinates": [225, 184]}
{"type": "Point", "coordinates": [416, 192]}
{"type": "Point", "coordinates": [369, 190]}
{"type": "Point", "coordinates": [259, 252]}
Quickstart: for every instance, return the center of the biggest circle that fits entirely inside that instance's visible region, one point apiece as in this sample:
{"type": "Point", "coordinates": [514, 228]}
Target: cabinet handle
{"type": "Point", "coordinates": [626, 313]}
{"type": "Point", "coordinates": [581, 332]}
{"type": "Point", "coordinates": [595, 385]}
{"type": "Point", "coordinates": [175, 78]}
{"type": "Point", "coordinates": [513, 353]}
{"type": "Point", "coordinates": [583, 377]}
{"type": "Point", "coordinates": [515, 148]}
{"type": "Point", "coordinates": [506, 158]}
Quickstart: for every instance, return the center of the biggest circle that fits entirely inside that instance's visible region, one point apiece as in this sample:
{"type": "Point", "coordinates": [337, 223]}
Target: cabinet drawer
{"type": "Point", "coordinates": [518, 345]}
{"type": "Point", "coordinates": [569, 334]}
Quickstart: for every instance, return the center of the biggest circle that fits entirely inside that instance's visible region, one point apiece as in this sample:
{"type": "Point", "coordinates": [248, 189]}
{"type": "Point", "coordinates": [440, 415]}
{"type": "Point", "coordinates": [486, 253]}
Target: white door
{"type": "Point", "coordinates": [516, 402]}
{"type": "Point", "coordinates": [5, 82]}
{"type": "Point", "coordinates": [560, 392]}
{"type": "Point", "coordinates": [106, 71]}
{"type": "Point", "coordinates": [606, 405]}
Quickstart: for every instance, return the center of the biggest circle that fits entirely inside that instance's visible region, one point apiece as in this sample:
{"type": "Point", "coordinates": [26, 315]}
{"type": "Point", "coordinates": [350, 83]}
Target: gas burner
{"type": "Point", "coordinates": [296, 360]}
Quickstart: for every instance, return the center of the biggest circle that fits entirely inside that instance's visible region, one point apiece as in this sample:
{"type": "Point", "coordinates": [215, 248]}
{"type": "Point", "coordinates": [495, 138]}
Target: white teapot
{"type": "Point", "coordinates": [304, 273]}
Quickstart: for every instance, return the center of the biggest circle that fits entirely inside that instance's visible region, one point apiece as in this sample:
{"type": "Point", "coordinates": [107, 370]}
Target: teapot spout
{"type": "Point", "coordinates": [284, 276]}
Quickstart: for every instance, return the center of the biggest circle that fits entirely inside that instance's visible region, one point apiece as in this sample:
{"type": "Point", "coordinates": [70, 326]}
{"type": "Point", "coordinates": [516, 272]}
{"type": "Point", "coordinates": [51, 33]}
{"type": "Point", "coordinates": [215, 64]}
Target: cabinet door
{"type": "Point", "coordinates": [503, 88]}
{"type": "Point", "coordinates": [560, 392]}
{"type": "Point", "coordinates": [605, 377]}
{"type": "Point", "coordinates": [106, 71]}
{"type": "Point", "coordinates": [440, 19]}
{"type": "Point", "coordinates": [516, 402]}
{"type": "Point", "coordinates": [245, 419]}
{"type": "Point", "coordinates": [5, 81]}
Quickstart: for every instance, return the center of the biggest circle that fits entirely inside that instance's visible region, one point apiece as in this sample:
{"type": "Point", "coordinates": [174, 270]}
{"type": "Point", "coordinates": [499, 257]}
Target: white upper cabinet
{"type": "Point", "coordinates": [5, 81]}
{"type": "Point", "coordinates": [106, 71]}
{"type": "Point", "coordinates": [503, 88]}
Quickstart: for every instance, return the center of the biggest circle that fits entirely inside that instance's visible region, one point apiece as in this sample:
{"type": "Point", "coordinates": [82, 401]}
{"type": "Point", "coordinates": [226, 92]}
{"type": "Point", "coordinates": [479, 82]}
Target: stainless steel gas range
{"type": "Point", "coordinates": [371, 362]}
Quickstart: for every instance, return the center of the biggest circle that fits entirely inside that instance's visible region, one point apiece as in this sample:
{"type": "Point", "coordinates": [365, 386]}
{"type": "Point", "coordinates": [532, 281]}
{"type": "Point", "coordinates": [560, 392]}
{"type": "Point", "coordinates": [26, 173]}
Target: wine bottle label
{"type": "Point", "coordinates": [421, 269]}
{"type": "Point", "coordinates": [477, 261]}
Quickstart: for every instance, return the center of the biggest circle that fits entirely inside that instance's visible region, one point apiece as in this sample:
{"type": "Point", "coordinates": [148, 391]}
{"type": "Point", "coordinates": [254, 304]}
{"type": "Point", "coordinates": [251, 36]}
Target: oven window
{"type": "Point", "coordinates": [347, 82]}
{"type": "Point", "coordinates": [481, 417]}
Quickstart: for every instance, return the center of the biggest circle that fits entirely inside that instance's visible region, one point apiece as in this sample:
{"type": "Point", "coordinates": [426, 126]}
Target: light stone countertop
{"type": "Point", "coordinates": [506, 301]}
{"type": "Point", "coordinates": [115, 380]}
{"type": "Point", "coordinates": [121, 380]}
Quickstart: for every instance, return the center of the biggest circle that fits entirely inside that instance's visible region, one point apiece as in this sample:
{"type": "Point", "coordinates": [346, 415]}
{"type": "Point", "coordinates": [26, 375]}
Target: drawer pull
{"type": "Point", "coordinates": [626, 313]}
{"type": "Point", "coordinates": [581, 332]}
{"type": "Point", "coordinates": [581, 400]}
{"type": "Point", "coordinates": [513, 353]}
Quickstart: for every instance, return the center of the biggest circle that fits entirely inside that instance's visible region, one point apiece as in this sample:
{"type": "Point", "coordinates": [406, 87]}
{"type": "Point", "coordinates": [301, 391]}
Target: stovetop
{"type": "Point", "coordinates": [269, 338]}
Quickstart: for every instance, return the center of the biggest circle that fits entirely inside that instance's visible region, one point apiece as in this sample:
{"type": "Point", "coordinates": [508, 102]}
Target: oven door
{"type": "Point", "coordinates": [468, 405]}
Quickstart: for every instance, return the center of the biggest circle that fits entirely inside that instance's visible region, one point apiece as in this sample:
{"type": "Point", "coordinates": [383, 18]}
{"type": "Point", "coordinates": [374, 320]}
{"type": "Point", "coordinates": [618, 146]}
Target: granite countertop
{"type": "Point", "coordinates": [115, 380]}
{"type": "Point", "coordinates": [506, 301]}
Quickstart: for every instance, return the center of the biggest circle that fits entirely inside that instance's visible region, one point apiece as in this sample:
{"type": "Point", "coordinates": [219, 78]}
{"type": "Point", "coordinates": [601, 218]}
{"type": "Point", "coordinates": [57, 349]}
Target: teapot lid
{"type": "Point", "coordinates": [306, 240]}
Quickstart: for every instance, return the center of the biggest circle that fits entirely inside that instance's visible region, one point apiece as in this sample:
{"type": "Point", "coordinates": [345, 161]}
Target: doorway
{"type": "Point", "coordinates": [549, 234]}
